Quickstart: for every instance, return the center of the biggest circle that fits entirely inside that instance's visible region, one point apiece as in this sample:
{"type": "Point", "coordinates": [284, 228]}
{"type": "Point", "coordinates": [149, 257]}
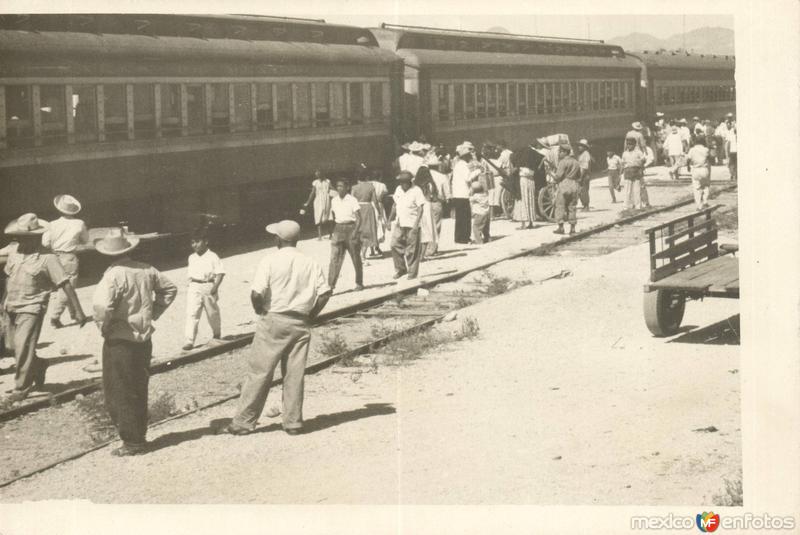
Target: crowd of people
{"type": "Point", "coordinates": [289, 289]}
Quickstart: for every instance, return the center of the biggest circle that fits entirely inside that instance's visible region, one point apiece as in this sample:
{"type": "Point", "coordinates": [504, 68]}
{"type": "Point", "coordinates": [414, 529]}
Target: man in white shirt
{"type": "Point", "coordinates": [412, 161]}
{"type": "Point", "coordinates": [408, 203]}
{"type": "Point", "coordinates": [686, 134]}
{"type": "Point", "coordinates": [732, 148]}
{"type": "Point", "coordinates": [288, 292]}
{"type": "Point", "coordinates": [344, 239]}
{"type": "Point", "coordinates": [701, 172]}
{"type": "Point", "coordinates": [463, 175]}
{"type": "Point", "coordinates": [205, 274]}
{"type": "Point", "coordinates": [675, 146]}
{"type": "Point", "coordinates": [64, 236]}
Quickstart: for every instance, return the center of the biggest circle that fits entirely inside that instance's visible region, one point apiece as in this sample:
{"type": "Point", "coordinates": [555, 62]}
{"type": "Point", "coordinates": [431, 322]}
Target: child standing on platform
{"type": "Point", "coordinates": [479, 206]}
{"type": "Point", "coordinates": [614, 163]}
{"type": "Point", "coordinates": [205, 275]}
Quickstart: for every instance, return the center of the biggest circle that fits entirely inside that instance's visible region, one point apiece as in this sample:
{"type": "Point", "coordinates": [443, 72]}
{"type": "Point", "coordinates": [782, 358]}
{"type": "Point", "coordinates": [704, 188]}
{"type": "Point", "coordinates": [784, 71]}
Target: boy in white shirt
{"type": "Point", "coordinates": [479, 206]}
{"type": "Point", "coordinates": [614, 163]}
{"type": "Point", "coordinates": [205, 274]}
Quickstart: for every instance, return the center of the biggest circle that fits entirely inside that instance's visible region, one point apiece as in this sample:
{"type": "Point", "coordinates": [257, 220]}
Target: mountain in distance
{"type": "Point", "coordinates": [497, 29]}
{"type": "Point", "coordinates": [705, 40]}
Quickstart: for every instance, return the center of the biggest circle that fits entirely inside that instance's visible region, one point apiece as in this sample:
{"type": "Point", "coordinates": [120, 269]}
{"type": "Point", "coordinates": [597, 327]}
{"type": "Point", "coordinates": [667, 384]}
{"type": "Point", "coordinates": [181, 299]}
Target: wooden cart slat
{"type": "Point", "coordinates": [722, 271]}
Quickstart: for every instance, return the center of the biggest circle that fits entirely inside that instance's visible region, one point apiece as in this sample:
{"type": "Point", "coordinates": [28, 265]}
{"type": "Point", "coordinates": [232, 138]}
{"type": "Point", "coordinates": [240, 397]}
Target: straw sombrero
{"type": "Point", "coordinates": [67, 204]}
{"type": "Point", "coordinates": [116, 243]}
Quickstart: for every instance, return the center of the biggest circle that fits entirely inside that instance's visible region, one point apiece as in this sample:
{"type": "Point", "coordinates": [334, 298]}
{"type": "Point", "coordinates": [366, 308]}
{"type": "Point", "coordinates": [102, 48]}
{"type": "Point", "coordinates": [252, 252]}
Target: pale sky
{"type": "Point", "coordinates": [578, 19]}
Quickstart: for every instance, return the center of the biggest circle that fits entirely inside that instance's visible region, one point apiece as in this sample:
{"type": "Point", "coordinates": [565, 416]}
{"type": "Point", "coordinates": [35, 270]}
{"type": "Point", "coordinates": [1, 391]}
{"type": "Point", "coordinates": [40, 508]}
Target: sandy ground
{"type": "Point", "coordinates": [71, 349]}
{"type": "Point", "coordinates": [565, 398]}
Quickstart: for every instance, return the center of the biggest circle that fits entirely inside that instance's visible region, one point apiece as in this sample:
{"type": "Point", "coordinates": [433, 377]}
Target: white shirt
{"type": "Point", "coordinates": [408, 205]}
{"type": "Point", "coordinates": [380, 189]}
{"type": "Point", "coordinates": [730, 137]}
{"type": "Point", "coordinates": [462, 177]}
{"type": "Point", "coordinates": [674, 144]}
{"type": "Point", "coordinates": [442, 184]}
{"type": "Point", "coordinates": [289, 281]}
{"type": "Point", "coordinates": [204, 267]}
{"type": "Point", "coordinates": [344, 209]}
{"type": "Point", "coordinates": [411, 163]}
{"type": "Point", "coordinates": [698, 156]}
{"type": "Point", "coordinates": [686, 135]}
{"type": "Point", "coordinates": [649, 157]}
{"type": "Point", "coordinates": [722, 130]}
{"type": "Point", "coordinates": [65, 235]}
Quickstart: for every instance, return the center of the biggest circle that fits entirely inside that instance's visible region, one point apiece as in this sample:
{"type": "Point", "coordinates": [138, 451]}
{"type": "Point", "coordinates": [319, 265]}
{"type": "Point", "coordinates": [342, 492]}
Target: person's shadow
{"type": "Point", "coordinates": [317, 423]}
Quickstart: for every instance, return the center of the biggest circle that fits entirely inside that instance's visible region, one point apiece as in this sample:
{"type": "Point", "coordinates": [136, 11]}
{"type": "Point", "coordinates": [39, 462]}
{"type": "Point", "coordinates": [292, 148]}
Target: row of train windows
{"type": "Point", "coordinates": [57, 114]}
{"type": "Point", "coordinates": [687, 94]}
{"type": "Point", "coordinates": [481, 100]}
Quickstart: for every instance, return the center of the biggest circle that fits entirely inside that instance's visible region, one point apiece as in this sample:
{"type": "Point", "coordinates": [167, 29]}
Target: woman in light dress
{"type": "Point", "coordinates": [320, 196]}
{"type": "Point", "coordinates": [367, 198]}
{"type": "Point", "coordinates": [428, 236]}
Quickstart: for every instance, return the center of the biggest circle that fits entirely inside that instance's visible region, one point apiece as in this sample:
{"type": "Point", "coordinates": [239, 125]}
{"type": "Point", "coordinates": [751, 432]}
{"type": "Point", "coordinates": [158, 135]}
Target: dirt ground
{"type": "Point", "coordinates": [565, 398]}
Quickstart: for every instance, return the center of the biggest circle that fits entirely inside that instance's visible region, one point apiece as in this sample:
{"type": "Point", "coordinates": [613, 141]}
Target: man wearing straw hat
{"type": "Point", "coordinates": [637, 134]}
{"type": "Point", "coordinates": [585, 162]}
{"type": "Point", "coordinates": [63, 237]}
{"type": "Point", "coordinates": [289, 290]}
{"type": "Point", "coordinates": [32, 276]}
{"type": "Point", "coordinates": [127, 300]}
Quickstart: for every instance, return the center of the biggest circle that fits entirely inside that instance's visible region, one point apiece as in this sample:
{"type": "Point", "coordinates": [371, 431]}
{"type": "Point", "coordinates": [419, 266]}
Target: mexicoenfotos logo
{"type": "Point", "coordinates": [707, 522]}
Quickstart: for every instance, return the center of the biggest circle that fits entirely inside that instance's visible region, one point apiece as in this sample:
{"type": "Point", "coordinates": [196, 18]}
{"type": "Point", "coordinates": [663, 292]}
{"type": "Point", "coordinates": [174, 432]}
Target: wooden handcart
{"type": "Point", "coordinates": [686, 263]}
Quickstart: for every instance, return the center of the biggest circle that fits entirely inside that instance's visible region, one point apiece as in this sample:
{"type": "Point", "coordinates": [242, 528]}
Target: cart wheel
{"type": "Point", "coordinates": [663, 311]}
{"type": "Point", "coordinates": [547, 201]}
{"type": "Point", "coordinates": [507, 203]}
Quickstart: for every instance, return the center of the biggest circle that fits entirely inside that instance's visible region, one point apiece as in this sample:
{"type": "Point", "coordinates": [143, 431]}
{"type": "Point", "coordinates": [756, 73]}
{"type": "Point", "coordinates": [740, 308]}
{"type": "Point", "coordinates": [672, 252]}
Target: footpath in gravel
{"type": "Point", "coordinates": [71, 349]}
{"type": "Point", "coordinates": [564, 398]}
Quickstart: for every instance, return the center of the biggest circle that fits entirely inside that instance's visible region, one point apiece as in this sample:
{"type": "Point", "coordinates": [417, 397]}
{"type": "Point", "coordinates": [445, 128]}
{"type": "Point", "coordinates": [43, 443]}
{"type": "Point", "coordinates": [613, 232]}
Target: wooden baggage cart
{"type": "Point", "coordinates": [686, 263]}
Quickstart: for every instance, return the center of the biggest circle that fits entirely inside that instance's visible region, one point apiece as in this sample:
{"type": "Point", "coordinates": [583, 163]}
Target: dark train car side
{"type": "Point", "coordinates": [479, 86]}
{"type": "Point", "coordinates": [155, 119]}
{"type": "Point", "coordinates": [684, 85]}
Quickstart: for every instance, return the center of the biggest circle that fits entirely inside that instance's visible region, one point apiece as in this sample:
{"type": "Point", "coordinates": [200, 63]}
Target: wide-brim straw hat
{"type": "Point", "coordinates": [116, 243]}
{"type": "Point", "coordinates": [463, 150]}
{"type": "Point", "coordinates": [67, 204]}
{"type": "Point", "coordinates": [659, 114]}
{"type": "Point", "coordinates": [416, 146]}
{"type": "Point", "coordinates": [26, 225]}
{"type": "Point", "coordinates": [637, 125]}
{"type": "Point", "coordinates": [287, 230]}
{"type": "Point", "coordinates": [584, 142]}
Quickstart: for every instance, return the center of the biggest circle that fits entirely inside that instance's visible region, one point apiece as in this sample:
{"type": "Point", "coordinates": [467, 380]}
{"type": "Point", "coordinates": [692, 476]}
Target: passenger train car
{"type": "Point", "coordinates": [156, 119]}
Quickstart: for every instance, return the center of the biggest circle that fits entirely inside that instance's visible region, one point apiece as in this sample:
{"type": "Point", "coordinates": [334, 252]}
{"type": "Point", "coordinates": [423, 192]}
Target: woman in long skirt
{"type": "Point", "coordinates": [321, 197]}
{"type": "Point", "coordinates": [364, 192]}
{"type": "Point", "coordinates": [429, 237]}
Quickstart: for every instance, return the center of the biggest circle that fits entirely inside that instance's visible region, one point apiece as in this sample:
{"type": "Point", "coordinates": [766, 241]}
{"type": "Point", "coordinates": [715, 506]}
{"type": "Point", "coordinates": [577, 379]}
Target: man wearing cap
{"type": "Point", "coordinates": [585, 162]}
{"type": "Point", "coordinates": [32, 276]}
{"type": "Point", "coordinates": [568, 172]}
{"type": "Point", "coordinates": [345, 237]}
{"type": "Point", "coordinates": [127, 300]}
{"type": "Point", "coordinates": [409, 202]}
{"type": "Point", "coordinates": [63, 236]}
{"type": "Point", "coordinates": [288, 292]}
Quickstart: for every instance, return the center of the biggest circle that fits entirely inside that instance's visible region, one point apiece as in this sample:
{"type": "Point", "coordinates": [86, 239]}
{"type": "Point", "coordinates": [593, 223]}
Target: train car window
{"type": "Point", "coordinates": [513, 103]}
{"type": "Point", "coordinates": [443, 93]}
{"type": "Point", "coordinates": [586, 96]}
{"type": "Point", "coordinates": [502, 100]}
{"type": "Point", "coordinates": [491, 100]}
{"type": "Point", "coordinates": [376, 101]}
{"type": "Point", "coordinates": [534, 99]}
{"type": "Point", "coordinates": [283, 97]}
{"type": "Point", "coordinates": [356, 103]}
{"type": "Point", "coordinates": [573, 97]}
{"type": "Point", "coordinates": [608, 96]}
{"type": "Point", "coordinates": [337, 103]}
{"type": "Point", "coordinates": [322, 114]}
{"type": "Point", "coordinates": [458, 105]}
{"type": "Point", "coordinates": [469, 101]}
{"type": "Point", "coordinates": [242, 112]}
{"type": "Point", "coordinates": [115, 111]}
{"type": "Point", "coordinates": [144, 114]}
{"type": "Point", "coordinates": [522, 99]}
{"type": "Point", "coordinates": [220, 108]}
{"type": "Point", "coordinates": [170, 97]}
{"type": "Point", "coordinates": [19, 122]}
{"type": "Point", "coordinates": [195, 109]}
{"type": "Point", "coordinates": [480, 104]}
{"type": "Point", "coordinates": [302, 105]}
{"type": "Point", "coordinates": [53, 107]}
{"type": "Point", "coordinates": [264, 117]}
{"type": "Point", "coordinates": [84, 112]}
{"type": "Point", "coordinates": [614, 95]}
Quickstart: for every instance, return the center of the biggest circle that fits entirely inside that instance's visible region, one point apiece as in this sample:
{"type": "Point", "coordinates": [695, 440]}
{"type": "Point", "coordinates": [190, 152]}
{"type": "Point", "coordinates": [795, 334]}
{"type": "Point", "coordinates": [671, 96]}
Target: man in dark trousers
{"type": "Point", "coordinates": [568, 173]}
{"type": "Point", "coordinates": [127, 300]}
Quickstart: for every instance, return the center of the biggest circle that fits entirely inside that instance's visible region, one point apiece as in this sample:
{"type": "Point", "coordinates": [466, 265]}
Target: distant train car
{"type": "Point", "coordinates": [155, 119]}
{"type": "Point", "coordinates": [486, 86]}
{"type": "Point", "coordinates": [682, 86]}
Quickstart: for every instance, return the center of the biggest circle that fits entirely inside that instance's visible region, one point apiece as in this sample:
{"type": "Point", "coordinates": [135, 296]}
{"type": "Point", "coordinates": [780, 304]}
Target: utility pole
{"type": "Point", "coordinates": [684, 33]}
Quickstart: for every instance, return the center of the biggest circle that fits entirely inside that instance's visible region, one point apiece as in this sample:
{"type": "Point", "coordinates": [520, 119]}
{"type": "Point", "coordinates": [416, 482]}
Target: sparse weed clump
{"type": "Point", "coordinates": [733, 495]}
{"type": "Point", "coordinates": [469, 329]}
{"type": "Point", "coordinates": [333, 345]}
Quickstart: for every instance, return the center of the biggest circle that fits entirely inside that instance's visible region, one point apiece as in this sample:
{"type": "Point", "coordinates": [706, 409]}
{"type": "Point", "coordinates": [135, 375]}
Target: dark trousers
{"type": "Point", "coordinates": [584, 192]}
{"type": "Point", "coordinates": [23, 332]}
{"type": "Point", "coordinates": [463, 225]}
{"type": "Point", "coordinates": [406, 250]}
{"type": "Point", "coordinates": [344, 240]}
{"type": "Point", "coordinates": [126, 375]}
{"type": "Point", "coordinates": [733, 164]}
{"type": "Point", "coordinates": [567, 201]}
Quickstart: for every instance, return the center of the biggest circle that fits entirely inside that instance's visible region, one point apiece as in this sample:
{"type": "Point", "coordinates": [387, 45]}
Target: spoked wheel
{"type": "Point", "coordinates": [547, 201]}
{"type": "Point", "coordinates": [663, 311]}
{"type": "Point", "coordinates": [507, 203]}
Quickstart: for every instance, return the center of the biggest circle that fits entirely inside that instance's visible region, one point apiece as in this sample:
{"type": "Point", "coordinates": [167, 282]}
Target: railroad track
{"type": "Point", "coordinates": [210, 376]}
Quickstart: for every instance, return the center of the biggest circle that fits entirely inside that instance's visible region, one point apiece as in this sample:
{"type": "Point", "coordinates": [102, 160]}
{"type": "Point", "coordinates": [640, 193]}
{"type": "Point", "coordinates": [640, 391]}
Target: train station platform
{"type": "Point", "coordinates": [71, 348]}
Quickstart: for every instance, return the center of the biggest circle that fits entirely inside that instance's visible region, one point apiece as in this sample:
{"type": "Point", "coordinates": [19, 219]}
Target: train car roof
{"type": "Point", "coordinates": [681, 60]}
{"type": "Point", "coordinates": [233, 27]}
{"type": "Point", "coordinates": [431, 58]}
{"type": "Point", "coordinates": [395, 37]}
{"type": "Point", "coordinates": [34, 47]}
